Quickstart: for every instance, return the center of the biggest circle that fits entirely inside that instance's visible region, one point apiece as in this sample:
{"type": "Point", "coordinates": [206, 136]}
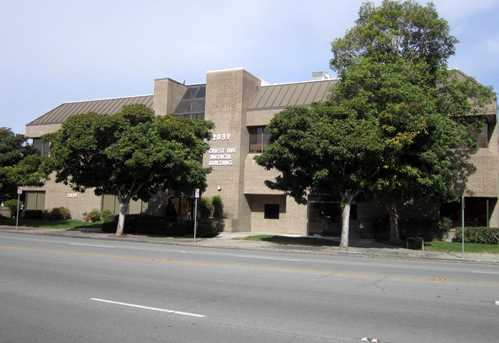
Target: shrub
{"type": "Point", "coordinates": [59, 213]}
{"type": "Point", "coordinates": [209, 229]}
{"type": "Point", "coordinates": [140, 224]}
{"type": "Point", "coordinates": [93, 216]}
{"type": "Point", "coordinates": [154, 225]}
{"type": "Point", "coordinates": [107, 216]}
{"type": "Point", "coordinates": [12, 205]}
{"type": "Point", "coordinates": [442, 228]}
{"type": "Point", "coordinates": [205, 208]}
{"type": "Point", "coordinates": [110, 226]}
{"type": "Point", "coordinates": [483, 235]}
{"type": "Point", "coordinates": [34, 214]}
{"type": "Point", "coordinates": [218, 207]}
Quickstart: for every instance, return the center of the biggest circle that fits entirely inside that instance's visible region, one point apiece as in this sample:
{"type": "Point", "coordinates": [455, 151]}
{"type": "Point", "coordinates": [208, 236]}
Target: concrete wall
{"type": "Point", "coordinates": [228, 93]}
{"type": "Point", "coordinates": [35, 131]}
{"type": "Point", "coordinates": [60, 195]}
{"type": "Point", "coordinates": [260, 117]}
{"type": "Point", "coordinates": [485, 180]}
{"type": "Point", "coordinates": [255, 177]}
{"type": "Point", "coordinates": [292, 216]}
{"type": "Point", "coordinates": [167, 95]}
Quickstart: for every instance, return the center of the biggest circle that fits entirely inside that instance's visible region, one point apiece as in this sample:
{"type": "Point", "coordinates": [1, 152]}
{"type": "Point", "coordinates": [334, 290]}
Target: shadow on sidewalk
{"type": "Point", "coordinates": [320, 242]}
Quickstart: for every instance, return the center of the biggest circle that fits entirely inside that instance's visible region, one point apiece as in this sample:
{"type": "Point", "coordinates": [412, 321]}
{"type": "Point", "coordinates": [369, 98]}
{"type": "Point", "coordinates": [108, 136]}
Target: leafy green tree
{"type": "Point", "coordinates": [132, 154]}
{"type": "Point", "coordinates": [325, 148]}
{"type": "Point", "coordinates": [393, 67]}
{"type": "Point", "coordinates": [20, 164]}
{"type": "Point", "coordinates": [402, 29]}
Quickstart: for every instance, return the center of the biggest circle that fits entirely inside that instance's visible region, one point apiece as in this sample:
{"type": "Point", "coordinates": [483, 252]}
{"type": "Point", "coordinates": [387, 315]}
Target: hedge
{"type": "Point", "coordinates": [483, 235]}
{"type": "Point", "coordinates": [58, 213]}
{"type": "Point", "coordinates": [156, 225]}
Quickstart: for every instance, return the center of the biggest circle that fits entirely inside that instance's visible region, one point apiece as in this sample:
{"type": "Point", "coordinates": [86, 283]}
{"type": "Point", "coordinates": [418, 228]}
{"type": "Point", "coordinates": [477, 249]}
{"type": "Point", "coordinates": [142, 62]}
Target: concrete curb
{"type": "Point", "coordinates": [264, 246]}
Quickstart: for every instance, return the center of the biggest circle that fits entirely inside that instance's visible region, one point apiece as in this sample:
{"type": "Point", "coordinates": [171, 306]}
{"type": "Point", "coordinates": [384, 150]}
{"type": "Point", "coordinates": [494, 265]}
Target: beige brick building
{"type": "Point", "coordinates": [241, 105]}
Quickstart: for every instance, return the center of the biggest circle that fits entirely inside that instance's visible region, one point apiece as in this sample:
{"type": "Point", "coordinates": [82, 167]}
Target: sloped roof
{"type": "Point", "coordinates": [105, 106]}
{"type": "Point", "coordinates": [291, 94]}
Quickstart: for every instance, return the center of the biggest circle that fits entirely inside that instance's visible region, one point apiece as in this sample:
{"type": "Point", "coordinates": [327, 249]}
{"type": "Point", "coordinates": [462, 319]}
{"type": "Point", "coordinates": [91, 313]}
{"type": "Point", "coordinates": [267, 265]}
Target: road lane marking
{"type": "Point", "coordinates": [157, 309]}
{"type": "Point", "coordinates": [497, 302]}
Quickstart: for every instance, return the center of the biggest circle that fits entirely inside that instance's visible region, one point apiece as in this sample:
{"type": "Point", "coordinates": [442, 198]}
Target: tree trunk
{"type": "Point", "coordinates": [124, 204]}
{"type": "Point", "coordinates": [394, 223]}
{"type": "Point", "coordinates": [345, 222]}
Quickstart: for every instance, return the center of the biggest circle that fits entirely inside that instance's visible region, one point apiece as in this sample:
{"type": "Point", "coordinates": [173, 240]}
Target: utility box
{"type": "Point", "coordinates": [415, 243]}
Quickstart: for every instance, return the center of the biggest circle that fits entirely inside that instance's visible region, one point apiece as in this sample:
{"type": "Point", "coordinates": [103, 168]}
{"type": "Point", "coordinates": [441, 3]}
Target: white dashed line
{"type": "Point", "coordinates": [188, 314]}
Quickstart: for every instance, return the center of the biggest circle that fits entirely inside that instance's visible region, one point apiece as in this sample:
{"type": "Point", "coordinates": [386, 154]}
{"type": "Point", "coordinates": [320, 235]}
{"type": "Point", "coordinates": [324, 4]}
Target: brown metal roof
{"type": "Point", "coordinates": [106, 106]}
{"type": "Point", "coordinates": [291, 94]}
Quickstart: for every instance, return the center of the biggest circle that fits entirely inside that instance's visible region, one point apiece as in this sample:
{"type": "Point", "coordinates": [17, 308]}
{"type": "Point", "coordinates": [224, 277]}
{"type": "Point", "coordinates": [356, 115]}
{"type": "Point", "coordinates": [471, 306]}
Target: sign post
{"type": "Point", "coordinates": [462, 225]}
{"type": "Point", "coordinates": [19, 192]}
{"type": "Point", "coordinates": [196, 197]}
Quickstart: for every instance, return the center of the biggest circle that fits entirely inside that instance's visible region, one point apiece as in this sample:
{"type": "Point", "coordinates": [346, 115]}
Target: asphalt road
{"type": "Point", "coordinates": [77, 290]}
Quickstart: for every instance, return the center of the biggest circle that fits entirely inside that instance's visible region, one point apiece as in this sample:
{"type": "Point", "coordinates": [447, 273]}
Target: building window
{"type": "Point", "coordinates": [483, 132]}
{"type": "Point", "coordinates": [42, 146]}
{"type": "Point", "coordinates": [331, 211]}
{"type": "Point", "coordinates": [258, 138]}
{"type": "Point", "coordinates": [110, 203]}
{"type": "Point", "coordinates": [271, 211]}
{"type": "Point", "coordinates": [34, 200]}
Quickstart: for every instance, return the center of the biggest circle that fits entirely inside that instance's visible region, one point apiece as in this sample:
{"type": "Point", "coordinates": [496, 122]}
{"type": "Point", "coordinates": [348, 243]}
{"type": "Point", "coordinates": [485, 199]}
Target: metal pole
{"type": "Point", "coordinates": [487, 211]}
{"type": "Point", "coordinates": [195, 216]}
{"type": "Point", "coordinates": [462, 225]}
{"type": "Point", "coordinates": [17, 213]}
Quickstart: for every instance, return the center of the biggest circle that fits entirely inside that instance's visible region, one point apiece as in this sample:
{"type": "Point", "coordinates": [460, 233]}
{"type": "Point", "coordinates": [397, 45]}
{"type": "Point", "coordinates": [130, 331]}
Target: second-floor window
{"type": "Point", "coordinates": [258, 138]}
{"type": "Point", "coordinates": [42, 146]}
{"type": "Point", "coordinates": [483, 133]}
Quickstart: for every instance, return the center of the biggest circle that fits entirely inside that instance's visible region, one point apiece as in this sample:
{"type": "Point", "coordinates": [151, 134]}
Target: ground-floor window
{"type": "Point", "coordinates": [330, 211]}
{"type": "Point", "coordinates": [477, 211]}
{"type": "Point", "coordinates": [271, 211]}
{"type": "Point", "coordinates": [110, 202]}
{"type": "Point", "coordinates": [34, 200]}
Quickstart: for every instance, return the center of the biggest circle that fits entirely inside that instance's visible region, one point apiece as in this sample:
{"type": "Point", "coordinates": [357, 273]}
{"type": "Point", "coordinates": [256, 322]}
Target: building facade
{"type": "Point", "coordinates": [241, 105]}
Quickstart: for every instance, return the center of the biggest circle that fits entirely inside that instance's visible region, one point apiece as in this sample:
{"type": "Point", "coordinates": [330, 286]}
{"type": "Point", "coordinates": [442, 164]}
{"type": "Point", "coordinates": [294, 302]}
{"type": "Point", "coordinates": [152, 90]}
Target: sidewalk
{"type": "Point", "coordinates": [235, 241]}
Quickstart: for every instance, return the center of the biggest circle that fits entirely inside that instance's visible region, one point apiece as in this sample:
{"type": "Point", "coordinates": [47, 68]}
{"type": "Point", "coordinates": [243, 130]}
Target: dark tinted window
{"type": "Point", "coordinates": [271, 211]}
{"type": "Point", "coordinates": [258, 138]}
{"type": "Point", "coordinates": [330, 211]}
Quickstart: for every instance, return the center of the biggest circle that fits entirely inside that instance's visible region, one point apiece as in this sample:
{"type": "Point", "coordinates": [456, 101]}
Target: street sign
{"type": "Point", "coordinates": [19, 190]}
{"type": "Point", "coordinates": [196, 193]}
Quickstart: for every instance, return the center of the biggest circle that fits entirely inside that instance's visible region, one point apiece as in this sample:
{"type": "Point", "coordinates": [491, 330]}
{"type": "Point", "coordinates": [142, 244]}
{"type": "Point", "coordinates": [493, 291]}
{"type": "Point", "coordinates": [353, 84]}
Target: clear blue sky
{"type": "Point", "coordinates": [55, 51]}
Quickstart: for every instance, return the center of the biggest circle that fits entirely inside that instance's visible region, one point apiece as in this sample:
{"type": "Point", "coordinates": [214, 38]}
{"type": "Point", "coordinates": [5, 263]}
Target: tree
{"type": "Point", "coordinates": [20, 164]}
{"type": "Point", "coordinates": [132, 154]}
{"type": "Point", "coordinates": [393, 67]}
{"type": "Point", "coordinates": [404, 29]}
{"type": "Point", "coordinates": [323, 148]}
